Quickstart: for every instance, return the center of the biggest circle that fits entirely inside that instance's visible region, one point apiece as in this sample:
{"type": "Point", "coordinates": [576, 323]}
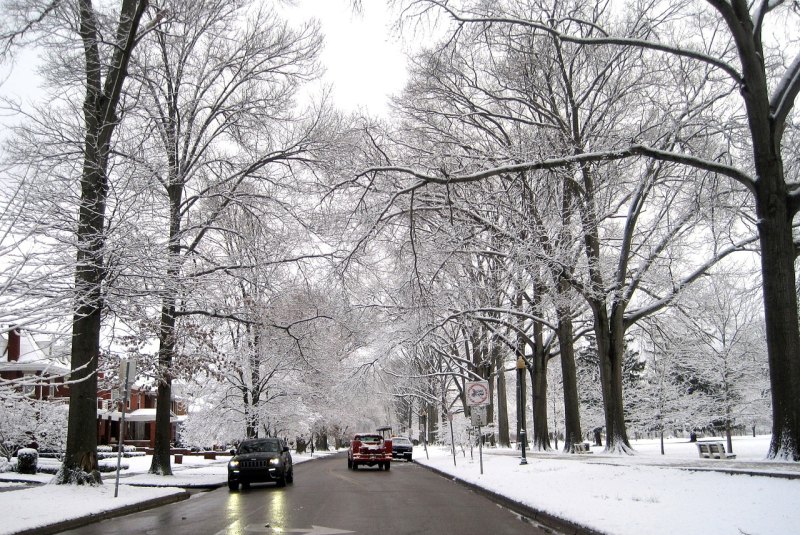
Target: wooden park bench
{"type": "Point", "coordinates": [581, 448]}
{"type": "Point", "coordinates": [713, 450]}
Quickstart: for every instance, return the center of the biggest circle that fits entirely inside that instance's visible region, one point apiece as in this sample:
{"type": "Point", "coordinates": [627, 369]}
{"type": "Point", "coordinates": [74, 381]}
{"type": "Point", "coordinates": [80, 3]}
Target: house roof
{"type": "Point", "coordinates": [139, 415]}
{"type": "Point", "coordinates": [35, 356]}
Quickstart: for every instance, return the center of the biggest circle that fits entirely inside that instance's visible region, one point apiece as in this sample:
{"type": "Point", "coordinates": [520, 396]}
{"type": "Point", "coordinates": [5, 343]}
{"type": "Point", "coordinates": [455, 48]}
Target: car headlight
{"type": "Point", "coordinates": [275, 461]}
{"type": "Point", "coordinates": [233, 464]}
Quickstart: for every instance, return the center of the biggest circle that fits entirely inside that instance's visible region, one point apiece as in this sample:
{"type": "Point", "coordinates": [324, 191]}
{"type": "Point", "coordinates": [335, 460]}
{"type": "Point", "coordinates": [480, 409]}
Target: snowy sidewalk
{"type": "Point", "coordinates": [780, 469]}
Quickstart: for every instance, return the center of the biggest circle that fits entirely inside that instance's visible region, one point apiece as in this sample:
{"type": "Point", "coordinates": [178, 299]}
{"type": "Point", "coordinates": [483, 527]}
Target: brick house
{"type": "Point", "coordinates": [140, 417]}
{"type": "Point", "coordinates": [28, 359]}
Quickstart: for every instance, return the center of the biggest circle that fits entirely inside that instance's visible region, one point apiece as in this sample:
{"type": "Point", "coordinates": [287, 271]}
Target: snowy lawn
{"type": "Point", "coordinates": [49, 504]}
{"type": "Point", "coordinates": [646, 493]}
{"type": "Point", "coordinates": [23, 509]}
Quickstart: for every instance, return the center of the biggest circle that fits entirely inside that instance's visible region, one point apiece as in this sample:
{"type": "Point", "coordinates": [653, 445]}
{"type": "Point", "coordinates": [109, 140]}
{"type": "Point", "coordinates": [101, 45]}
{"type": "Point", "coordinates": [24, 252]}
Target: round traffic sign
{"type": "Point", "coordinates": [478, 393]}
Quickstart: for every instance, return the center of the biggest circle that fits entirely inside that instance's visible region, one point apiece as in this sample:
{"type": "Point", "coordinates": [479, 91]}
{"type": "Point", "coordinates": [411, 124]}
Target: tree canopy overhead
{"type": "Point", "coordinates": [552, 180]}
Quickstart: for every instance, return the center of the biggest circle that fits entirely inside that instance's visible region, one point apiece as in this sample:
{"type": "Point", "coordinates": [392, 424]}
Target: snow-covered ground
{"type": "Point", "coordinates": [643, 494]}
{"type": "Point", "coordinates": [646, 493]}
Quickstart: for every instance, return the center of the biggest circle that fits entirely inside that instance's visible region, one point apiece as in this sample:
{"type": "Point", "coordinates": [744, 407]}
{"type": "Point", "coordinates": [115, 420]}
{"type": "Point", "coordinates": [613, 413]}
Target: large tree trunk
{"type": "Point", "coordinates": [80, 460]}
{"type": "Point", "coordinates": [254, 400]}
{"type": "Point", "coordinates": [432, 421]}
{"type": "Point", "coordinates": [572, 418]}
{"type": "Point", "coordinates": [99, 109]}
{"type": "Point", "coordinates": [252, 419]}
{"type": "Point", "coordinates": [538, 373]}
{"type": "Point", "coordinates": [503, 437]}
{"type": "Point", "coordinates": [780, 312]}
{"type": "Point", "coordinates": [161, 463]}
{"type": "Point", "coordinates": [775, 213]}
{"type": "Point", "coordinates": [250, 428]}
{"type": "Point", "coordinates": [161, 449]}
{"type": "Point", "coordinates": [321, 443]}
{"type": "Point", "coordinates": [569, 376]}
{"type": "Point", "coordinates": [610, 353]}
{"type": "Point", "coordinates": [608, 333]}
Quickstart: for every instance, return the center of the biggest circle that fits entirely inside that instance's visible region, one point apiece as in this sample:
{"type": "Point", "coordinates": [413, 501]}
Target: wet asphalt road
{"type": "Point", "coordinates": [327, 498]}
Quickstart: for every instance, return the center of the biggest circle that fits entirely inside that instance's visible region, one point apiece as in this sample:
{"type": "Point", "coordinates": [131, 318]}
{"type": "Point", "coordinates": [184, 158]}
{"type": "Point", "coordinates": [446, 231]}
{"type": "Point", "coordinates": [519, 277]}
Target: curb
{"type": "Point", "coordinates": [199, 486]}
{"type": "Point", "coordinates": [740, 472]}
{"type": "Point", "coordinates": [97, 517]}
{"type": "Point", "coordinates": [561, 525]}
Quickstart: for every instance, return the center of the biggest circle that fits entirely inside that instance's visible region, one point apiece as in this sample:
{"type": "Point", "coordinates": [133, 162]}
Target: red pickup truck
{"type": "Point", "coordinates": [369, 449]}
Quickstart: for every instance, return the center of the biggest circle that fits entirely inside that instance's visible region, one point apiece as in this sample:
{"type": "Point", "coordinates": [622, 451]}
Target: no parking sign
{"type": "Point", "coordinates": [478, 393]}
{"type": "Point", "coordinates": [478, 398]}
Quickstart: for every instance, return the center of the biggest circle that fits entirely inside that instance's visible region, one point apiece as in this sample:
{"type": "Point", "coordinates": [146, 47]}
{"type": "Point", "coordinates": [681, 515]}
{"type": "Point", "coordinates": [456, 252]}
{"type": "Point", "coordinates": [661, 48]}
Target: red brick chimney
{"type": "Point", "coordinates": [13, 345]}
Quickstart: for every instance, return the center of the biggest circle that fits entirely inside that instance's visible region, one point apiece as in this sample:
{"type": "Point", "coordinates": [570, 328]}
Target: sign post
{"type": "Point", "coordinates": [127, 371]}
{"type": "Point", "coordinates": [478, 416]}
{"type": "Point", "coordinates": [478, 400]}
{"type": "Point", "coordinates": [452, 438]}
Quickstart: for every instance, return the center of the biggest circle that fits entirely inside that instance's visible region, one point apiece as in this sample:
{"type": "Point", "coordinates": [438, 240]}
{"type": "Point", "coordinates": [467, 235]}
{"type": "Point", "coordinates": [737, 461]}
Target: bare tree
{"type": "Point", "coordinates": [100, 120]}
{"type": "Point", "coordinates": [718, 353]}
{"type": "Point", "coordinates": [216, 85]}
{"type": "Point", "coordinates": [768, 84]}
{"type": "Point", "coordinates": [104, 69]}
{"type": "Point", "coordinates": [27, 420]}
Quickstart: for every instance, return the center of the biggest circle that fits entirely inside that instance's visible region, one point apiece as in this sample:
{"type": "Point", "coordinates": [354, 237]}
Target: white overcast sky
{"type": "Point", "coordinates": [363, 57]}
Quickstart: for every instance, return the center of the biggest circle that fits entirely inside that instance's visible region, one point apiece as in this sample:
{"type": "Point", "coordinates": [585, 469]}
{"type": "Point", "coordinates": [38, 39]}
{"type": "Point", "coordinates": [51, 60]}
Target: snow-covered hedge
{"type": "Point", "coordinates": [113, 454]}
{"type": "Point", "coordinates": [107, 452]}
{"type": "Point", "coordinates": [27, 461]}
{"type": "Point", "coordinates": [5, 466]}
{"type": "Point", "coordinates": [110, 465]}
{"type": "Point", "coordinates": [103, 466]}
{"type": "Point", "coordinates": [48, 468]}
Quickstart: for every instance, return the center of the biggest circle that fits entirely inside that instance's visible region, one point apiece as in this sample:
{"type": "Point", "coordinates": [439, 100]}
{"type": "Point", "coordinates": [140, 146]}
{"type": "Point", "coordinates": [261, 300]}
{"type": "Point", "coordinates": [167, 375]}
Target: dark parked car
{"type": "Point", "coordinates": [260, 460]}
{"type": "Point", "coordinates": [402, 448]}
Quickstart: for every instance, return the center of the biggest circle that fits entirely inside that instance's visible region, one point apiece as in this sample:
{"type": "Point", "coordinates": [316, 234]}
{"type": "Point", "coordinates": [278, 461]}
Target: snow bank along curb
{"type": "Point", "coordinates": [561, 525]}
{"type": "Point", "coordinates": [78, 522]}
{"type": "Point", "coordinates": [740, 472]}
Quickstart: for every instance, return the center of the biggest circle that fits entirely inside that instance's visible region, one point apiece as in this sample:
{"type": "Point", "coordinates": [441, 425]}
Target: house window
{"type": "Point", "coordinates": [28, 387]}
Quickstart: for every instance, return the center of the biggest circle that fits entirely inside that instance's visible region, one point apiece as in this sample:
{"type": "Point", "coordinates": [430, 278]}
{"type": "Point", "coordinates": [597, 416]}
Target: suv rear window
{"type": "Point", "coordinates": [262, 446]}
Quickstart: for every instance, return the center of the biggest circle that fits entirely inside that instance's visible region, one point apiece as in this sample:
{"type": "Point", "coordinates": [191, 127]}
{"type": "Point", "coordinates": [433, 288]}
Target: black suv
{"type": "Point", "coordinates": [260, 460]}
{"type": "Point", "coordinates": [402, 447]}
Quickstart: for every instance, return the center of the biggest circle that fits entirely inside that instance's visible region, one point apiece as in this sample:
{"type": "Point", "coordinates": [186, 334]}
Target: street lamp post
{"type": "Point", "coordinates": [521, 411]}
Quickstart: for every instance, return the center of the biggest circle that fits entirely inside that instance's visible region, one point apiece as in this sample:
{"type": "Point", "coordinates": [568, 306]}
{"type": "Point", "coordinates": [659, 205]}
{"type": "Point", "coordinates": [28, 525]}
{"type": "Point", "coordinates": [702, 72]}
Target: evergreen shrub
{"type": "Point", "coordinates": [27, 461]}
